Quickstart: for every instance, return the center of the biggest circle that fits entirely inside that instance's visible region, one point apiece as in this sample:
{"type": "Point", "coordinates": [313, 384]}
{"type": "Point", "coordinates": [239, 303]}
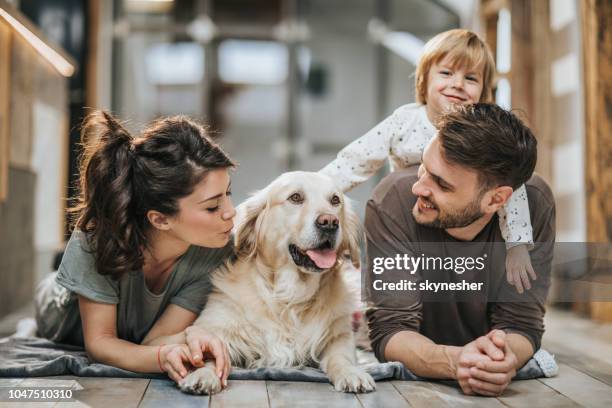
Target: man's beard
{"type": "Point", "coordinates": [455, 219]}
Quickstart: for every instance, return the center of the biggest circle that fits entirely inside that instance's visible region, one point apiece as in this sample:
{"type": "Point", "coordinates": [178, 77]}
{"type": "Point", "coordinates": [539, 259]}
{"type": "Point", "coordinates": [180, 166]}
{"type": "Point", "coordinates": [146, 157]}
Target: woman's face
{"type": "Point", "coordinates": [205, 216]}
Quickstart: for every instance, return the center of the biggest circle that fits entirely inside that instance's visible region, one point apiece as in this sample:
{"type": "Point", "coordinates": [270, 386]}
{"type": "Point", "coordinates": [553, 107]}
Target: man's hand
{"type": "Point", "coordinates": [480, 351]}
{"type": "Point", "coordinates": [204, 345]}
{"type": "Point", "coordinates": [484, 350]}
{"type": "Point", "coordinates": [490, 378]}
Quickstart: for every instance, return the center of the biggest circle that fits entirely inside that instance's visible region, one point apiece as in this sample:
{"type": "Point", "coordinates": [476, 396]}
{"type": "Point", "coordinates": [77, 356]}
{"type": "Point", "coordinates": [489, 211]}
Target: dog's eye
{"type": "Point", "coordinates": [296, 198]}
{"type": "Point", "coordinates": [335, 200]}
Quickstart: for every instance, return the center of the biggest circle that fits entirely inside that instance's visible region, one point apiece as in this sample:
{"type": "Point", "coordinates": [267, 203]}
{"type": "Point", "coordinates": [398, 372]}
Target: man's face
{"type": "Point", "coordinates": [449, 196]}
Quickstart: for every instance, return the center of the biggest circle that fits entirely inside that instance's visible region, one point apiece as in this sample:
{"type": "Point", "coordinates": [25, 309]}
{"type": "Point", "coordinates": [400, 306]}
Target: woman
{"type": "Point", "coordinates": [154, 218]}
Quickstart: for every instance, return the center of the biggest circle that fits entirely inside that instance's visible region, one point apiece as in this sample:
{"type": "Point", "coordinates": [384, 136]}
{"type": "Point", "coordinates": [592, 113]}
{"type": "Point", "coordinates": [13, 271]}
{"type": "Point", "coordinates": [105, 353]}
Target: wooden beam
{"type": "Point", "coordinates": [91, 66]}
{"type": "Point", "coordinates": [492, 7]}
{"type": "Point", "coordinates": [597, 57]}
{"type": "Point", "coordinates": [597, 54]}
{"type": "Point", "coordinates": [5, 106]}
{"type": "Point", "coordinates": [490, 32]}
{"type": "Point", "coordinates": [521, 74]}
{"type": "Point", "coordinates": [542, 94]}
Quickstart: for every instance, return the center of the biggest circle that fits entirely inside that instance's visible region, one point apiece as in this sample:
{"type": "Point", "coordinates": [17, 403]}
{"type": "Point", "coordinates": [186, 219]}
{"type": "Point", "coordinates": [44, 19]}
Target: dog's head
{"type": "Point", "coordinates": [301, 217]}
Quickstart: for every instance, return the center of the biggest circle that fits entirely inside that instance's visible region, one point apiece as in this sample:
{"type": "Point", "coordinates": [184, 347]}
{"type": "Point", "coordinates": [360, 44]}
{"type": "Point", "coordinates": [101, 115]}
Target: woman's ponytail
{"type": "Point", "coordinates": [105, 206]}
{"type": "Point", "coordinates": [123, 178]}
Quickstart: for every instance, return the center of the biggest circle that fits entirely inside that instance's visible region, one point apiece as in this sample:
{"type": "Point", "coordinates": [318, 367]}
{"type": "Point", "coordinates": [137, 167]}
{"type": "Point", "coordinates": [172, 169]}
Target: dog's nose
{"type": "Point", "coordinates": [327, 223]}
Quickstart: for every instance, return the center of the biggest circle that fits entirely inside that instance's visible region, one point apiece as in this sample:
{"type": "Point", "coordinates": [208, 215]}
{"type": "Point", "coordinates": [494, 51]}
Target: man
{"type": "Point", "coordinates": [476, 329]}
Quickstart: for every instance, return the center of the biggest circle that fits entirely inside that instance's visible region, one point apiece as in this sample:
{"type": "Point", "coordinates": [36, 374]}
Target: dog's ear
{"type": "Point", "coordinates": [248, 221]}
{"type": "Point", "coordinates": [353, 232]}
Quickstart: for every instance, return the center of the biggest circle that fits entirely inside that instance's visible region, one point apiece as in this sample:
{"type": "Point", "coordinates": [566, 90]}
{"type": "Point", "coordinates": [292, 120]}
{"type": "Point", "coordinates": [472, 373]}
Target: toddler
{"type": "Point", "coordinates": [456, 68]}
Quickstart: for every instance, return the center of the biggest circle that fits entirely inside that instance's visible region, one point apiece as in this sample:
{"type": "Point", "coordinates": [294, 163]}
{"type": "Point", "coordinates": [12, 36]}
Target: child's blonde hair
{"type": "Point", "coordinates": [465, 49]}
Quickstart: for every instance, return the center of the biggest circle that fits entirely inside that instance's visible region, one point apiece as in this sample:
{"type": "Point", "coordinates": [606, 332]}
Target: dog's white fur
{"type": "Point", "coordinates": [269, 311]}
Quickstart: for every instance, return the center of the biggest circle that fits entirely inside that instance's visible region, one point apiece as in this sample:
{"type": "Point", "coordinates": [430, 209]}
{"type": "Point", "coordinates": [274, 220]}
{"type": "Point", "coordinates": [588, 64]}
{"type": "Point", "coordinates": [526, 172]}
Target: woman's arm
{"type": "Point", "coordinates": [102, 344]}
{"type": "Point", "coordinates": [175, 326]}
{"type": "Point", "coordinates": [170, 327]}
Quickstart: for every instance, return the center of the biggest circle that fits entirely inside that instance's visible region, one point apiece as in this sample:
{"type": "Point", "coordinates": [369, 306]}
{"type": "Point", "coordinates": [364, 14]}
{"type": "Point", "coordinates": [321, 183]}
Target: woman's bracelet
{"type": "Point", "coordinates": [158, 357]}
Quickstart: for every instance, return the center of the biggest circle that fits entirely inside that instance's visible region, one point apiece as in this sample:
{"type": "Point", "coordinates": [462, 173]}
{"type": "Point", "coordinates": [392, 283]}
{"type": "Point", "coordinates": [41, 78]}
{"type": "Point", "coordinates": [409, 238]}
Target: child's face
{"type": "Point", "coordinates": [447, 86]}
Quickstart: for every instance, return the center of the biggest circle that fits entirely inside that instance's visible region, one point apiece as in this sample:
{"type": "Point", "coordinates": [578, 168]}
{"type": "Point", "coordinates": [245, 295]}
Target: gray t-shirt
{"type": "Point", "coordinates": [137, 307]}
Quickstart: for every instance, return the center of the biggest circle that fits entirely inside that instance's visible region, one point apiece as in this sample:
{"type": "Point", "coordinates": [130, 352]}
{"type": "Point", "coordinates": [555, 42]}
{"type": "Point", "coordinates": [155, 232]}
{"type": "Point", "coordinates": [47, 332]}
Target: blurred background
{"type": "Point", "coordinates": [284, 85]}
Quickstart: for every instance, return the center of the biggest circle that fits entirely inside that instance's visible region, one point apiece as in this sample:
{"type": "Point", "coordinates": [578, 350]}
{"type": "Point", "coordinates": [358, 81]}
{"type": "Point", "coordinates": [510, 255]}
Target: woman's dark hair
{"type": "Point", "coordinates": [122, 178]}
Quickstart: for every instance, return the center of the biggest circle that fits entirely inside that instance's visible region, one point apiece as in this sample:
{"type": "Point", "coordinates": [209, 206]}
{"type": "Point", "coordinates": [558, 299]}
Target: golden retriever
{"type": "Point", "coordinates": [282, 301]}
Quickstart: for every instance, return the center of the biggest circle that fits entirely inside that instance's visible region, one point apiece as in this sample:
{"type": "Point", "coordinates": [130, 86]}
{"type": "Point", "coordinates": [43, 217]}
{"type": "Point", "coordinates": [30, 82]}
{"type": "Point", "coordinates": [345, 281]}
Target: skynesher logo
{"type": "Point", "coordinates": [424, 263]}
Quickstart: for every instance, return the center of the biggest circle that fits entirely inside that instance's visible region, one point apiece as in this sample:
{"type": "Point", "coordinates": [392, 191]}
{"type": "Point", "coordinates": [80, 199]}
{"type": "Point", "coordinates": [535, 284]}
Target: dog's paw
{"type": "Point", "coordinates": [201, 381]}
{"type": "Point", "coordinates": [353, 379]}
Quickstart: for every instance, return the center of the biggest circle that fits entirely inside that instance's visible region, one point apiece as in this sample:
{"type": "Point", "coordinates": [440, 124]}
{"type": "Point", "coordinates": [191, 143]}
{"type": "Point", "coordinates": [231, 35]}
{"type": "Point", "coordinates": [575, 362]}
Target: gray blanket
{"type": "Point", "coordinates": [35, 357]}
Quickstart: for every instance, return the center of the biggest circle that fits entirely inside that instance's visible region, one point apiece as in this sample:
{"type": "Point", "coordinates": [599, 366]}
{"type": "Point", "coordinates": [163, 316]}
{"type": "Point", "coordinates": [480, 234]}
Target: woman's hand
{"type": "Point", "coordinates": [175, 359]}
{"type": "Point", "coordinates": [204, 346]}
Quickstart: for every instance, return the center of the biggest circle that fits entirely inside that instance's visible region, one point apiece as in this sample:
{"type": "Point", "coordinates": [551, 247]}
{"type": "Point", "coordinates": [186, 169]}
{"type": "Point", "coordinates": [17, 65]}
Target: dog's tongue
{"type": "Point", "coordinates": [323, 258]}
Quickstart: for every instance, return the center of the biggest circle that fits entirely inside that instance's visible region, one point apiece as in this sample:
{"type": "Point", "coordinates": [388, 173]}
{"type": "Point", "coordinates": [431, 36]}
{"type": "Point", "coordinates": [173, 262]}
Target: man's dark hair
{"type": "Point", "coordinates": [490, 140]}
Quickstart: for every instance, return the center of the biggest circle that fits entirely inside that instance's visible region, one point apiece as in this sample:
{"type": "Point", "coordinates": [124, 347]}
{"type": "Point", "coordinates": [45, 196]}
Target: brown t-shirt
{"type": "Point", "coordinates": [472, 296]}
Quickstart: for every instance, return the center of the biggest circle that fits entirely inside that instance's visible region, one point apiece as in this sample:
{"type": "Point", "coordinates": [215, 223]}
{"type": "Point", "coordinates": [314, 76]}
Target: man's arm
{"type": "Point", "coordinates": [520, 316]}
{"type": "Point", "coordinates": [389, 312]}
{"type": "Point", "coordinates": [523, 314]}
{"type": "Point", "coordinates": [522, 348]}
{"type": "Point", "coordinates": [425, 358]}
{"type": "Point", "coordinates": [422, 356]}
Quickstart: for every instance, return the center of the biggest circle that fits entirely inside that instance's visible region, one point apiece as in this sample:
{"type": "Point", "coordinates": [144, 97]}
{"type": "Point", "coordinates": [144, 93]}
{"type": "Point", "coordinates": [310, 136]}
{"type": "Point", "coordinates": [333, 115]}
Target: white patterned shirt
{"type": "Point", "coordinates": [401, 138]}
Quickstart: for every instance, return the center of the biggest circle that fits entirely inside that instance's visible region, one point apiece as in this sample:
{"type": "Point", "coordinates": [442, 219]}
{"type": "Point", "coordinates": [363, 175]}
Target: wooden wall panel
{"type": "Point", "coordinates": [17, 260]}
{"type": "Point", "coordinates": [33, 150]}
{"type": "Point", "coordinates": [597, 58]}
{"type": "Point", "coordinates": [597, 35]}
{"type": "Point", "coordinates": [5, 86]}
{"type": "Point", "coordinates": [542, 95]}
{"type": "Point", "coordinates": [521, 75]}
{"type": "Point", "coordinates": [24, 61]}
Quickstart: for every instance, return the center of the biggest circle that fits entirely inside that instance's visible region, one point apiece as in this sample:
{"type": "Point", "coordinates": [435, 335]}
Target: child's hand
{"type": "Point", "coordinates": [518, 268]}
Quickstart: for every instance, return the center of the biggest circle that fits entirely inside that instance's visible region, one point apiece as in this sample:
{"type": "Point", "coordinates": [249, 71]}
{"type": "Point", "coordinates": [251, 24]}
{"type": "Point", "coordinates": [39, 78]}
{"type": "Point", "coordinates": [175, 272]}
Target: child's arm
{"type": "Point", "coordinates": [362, 158]}
{"type": "Point", "coordinates": [515, 224]}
